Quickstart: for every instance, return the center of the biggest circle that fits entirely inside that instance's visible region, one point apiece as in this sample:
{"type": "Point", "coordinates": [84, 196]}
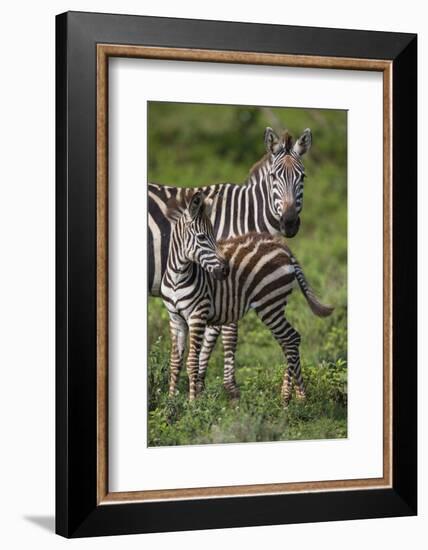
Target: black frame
{"type": "Point", "coordinates": [77, 513]}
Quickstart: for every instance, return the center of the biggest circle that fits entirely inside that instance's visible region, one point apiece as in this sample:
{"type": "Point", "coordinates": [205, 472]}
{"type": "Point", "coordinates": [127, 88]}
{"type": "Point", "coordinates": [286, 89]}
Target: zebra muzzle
{"type": "Point", "coordinates": [289, 227]}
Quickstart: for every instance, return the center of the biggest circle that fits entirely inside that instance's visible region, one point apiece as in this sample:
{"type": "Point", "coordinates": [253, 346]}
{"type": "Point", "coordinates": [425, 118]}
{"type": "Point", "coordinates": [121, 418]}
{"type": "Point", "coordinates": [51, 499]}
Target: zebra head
{"type": "Point", "coordinates": [199, 243]}
{"type": "Point", "coordinates": [286, 174]}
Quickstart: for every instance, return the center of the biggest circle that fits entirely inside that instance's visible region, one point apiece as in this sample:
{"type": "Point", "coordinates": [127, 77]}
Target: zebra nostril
{"type": "Point", "coordinates": [289, 217]}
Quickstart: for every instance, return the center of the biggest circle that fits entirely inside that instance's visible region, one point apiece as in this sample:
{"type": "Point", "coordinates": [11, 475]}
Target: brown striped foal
{"type": "Point", "coordinates": [209, 283]}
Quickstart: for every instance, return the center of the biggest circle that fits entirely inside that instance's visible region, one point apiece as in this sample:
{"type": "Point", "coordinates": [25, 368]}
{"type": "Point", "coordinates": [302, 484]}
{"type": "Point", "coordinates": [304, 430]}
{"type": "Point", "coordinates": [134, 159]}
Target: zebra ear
{"type": "Point", "coordinates": [303, 144]}
{"type": "Point", "coordinates": [196, 204]}
{"type": "Point", "coordinates": [272, 141]}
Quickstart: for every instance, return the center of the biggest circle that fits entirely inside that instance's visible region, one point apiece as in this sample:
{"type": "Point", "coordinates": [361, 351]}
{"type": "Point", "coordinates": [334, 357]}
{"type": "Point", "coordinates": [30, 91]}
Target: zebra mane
{"type": "Point", "coordinates": [286, 140]}
{"type": "Point", "coordinates": [259, 164]}
{"type": "Point", "coordinates": [176, 206]}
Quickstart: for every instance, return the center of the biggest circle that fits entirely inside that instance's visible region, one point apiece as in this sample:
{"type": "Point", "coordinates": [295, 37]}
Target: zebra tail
{"type": "Point", "coordinates": [316, 306]}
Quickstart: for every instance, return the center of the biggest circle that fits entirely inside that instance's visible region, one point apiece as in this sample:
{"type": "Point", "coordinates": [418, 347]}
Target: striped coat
{"type": "Point", "coordinates": [209, 283]}
{"type": "Point", "coordinates": [269, 201]}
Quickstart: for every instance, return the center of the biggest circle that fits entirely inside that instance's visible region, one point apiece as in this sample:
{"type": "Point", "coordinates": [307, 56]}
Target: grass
{"type": "Point", "coordinates": [192, 145]}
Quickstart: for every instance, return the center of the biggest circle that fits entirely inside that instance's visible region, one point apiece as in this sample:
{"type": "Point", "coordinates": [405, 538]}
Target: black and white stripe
{"type": "Point", "coordinates": [209, 283]}
{"type": "Point", "coordinates": [270, 201]}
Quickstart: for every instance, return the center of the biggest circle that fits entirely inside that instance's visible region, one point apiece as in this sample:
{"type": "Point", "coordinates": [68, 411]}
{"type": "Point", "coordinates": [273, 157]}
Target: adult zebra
{"type": "Point", "coordinates": [215, 283]}
{"type": "Point", "coordinates": [270, 201]}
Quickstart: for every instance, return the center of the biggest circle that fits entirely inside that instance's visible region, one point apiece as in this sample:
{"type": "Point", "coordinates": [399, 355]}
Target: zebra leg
{"type": "Point", "coordinates": [291, 344]}
{"type": "Point", "coordinates": [229, 335]}
{"type": "Point", "coordinates": [196, 330]}
{"type": "Point", "coordinates": [178, 330]}
{"type": "Point", "coordinates": [210, 339]}
{"type": "Point", "coordinates": [287, 385]}
{"type": "Point", "coordinates": [289, 340]}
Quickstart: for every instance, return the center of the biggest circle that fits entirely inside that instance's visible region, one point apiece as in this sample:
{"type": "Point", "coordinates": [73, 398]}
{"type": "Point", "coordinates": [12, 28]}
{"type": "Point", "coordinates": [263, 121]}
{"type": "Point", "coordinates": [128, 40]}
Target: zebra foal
{"type": "Point", "coordinates": [216, 283]}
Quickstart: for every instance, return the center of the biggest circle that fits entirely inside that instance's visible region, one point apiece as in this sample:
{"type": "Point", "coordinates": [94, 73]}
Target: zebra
{"type": "Point", "coordinates": [270, 201]}
{"type": "Point", "coordinates": [216, 283]}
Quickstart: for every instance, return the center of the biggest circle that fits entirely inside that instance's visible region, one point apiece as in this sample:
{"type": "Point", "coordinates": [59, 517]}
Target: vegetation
{"type": "Point", "coordinates": [193, 145]}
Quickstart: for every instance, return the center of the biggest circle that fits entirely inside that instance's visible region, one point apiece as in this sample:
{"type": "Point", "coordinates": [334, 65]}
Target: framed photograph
{"type": "Point", "coordinates": [236, 274]}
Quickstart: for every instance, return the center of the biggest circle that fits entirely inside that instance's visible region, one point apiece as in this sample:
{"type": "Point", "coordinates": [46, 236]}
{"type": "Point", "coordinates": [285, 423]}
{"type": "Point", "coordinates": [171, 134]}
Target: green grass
{"type": "Point", "coordinates": [192, 145]}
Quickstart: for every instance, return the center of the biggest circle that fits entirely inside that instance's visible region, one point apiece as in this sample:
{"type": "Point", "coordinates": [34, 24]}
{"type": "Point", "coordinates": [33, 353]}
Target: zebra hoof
{"type": "Point", "coordinates": [200, 387]}
{"type": "Point", "coordinates": [233, 391]}
{"type": "Point", "coordinates": [192, 395]}
{"type": "Point", "coordinates": [286, 401]}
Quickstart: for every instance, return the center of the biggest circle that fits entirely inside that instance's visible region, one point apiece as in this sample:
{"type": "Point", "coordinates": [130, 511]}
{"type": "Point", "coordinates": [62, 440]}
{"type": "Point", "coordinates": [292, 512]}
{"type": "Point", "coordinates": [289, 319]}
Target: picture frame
{"type": "Point", "coordinates": [84, 44]}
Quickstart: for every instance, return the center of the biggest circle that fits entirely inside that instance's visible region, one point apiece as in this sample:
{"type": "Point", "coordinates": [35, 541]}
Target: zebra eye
{"type": "Point", "coordinates": [201, 237]}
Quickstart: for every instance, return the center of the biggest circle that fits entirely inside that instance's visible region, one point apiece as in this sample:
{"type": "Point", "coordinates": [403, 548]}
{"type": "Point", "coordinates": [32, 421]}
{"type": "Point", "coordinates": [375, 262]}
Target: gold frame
{"type": "Point", "coordinates": [104, 52]}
